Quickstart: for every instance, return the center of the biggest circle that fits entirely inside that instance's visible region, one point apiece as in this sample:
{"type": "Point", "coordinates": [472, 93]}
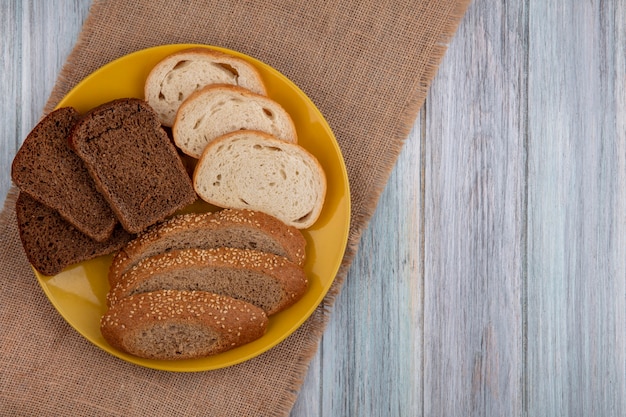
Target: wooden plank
{"type": "Point", "coordinates": [443, 330]}
{"type": "Point", "coordinates": [474, 218]}
{"type": "Point", "coordinates": [46, 43]}
{"type": "Point", "coordinates": [10, 81]}
{"type": "Point", "coordinates": [576, 209]}
{"type": "Point", "coordinates": [56, 25]}
{"type": "Point", "coordinates": [37, 38]}
{"type": "Point", "coordinates": [308, 401]}
{"type": "Point", "coordinates": [370, 358]}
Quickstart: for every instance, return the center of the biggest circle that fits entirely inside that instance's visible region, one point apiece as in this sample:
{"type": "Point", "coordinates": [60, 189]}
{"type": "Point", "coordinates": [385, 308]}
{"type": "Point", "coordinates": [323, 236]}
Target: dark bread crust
{"type": "Point", "coordinates": [269, 281]}
{"type": "Point", "coordinates": [243, 229]}
{"type": "Point", "coordinates": [51, 243]}
{"type": "Point", "coordinates": [47, 169]}
{"type": "Point", "coordinates": [133, 162]}
{"type": "Point", "coordinates": [170, 324]}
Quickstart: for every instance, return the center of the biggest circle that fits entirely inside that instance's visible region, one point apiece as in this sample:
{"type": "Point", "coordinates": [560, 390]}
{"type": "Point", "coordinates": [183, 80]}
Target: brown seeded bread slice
{"type": "Point", "coordinates": [178, 75]}
{"type": "Point", "coordinates": [265, 280]}
{"type": "Point", "coordinates": [243, 229]}
{"type": "Point", "coordinates": [51, 244]}
{"type": "Point", "coordinates": [133, 162]}
{"type": "Point", "coordinates": [171, 325]}
{"type": "Point", "coordinates": [47, 169]}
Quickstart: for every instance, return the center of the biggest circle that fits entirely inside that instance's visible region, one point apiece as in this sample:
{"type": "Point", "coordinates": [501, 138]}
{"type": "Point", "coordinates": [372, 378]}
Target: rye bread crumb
{"type": "Point", "coordinates": [268, 281]}
{"type": "Point", "coordinates": [47, 169]}
{"type": "Point", "coordinates": [133, 162]}
{"type": "Point", "coordinates": [52, 244]}
{"type": "Point", "coordinates": [170, 324]}
{"type": "Point", "coordinates": [243, 229]}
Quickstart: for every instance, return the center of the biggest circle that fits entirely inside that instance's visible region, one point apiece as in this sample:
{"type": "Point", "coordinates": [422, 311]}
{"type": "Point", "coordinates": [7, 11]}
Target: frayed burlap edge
{"type": "Point", "coordinates": [359, 221]}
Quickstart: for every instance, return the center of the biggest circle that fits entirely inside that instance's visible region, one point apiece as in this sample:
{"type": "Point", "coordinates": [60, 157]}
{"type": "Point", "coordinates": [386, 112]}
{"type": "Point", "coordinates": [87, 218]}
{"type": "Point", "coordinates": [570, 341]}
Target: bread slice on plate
{"type": "Point", "coordinates": [265, 280]}
{"type": "Point", "coordinates": [133, 163]}
{"type": "Point", "coordinates": [170, 325]}
{"type": "Point", "coordinates": [176, 76]}
{"type": "Point", "coordinates": [51, 244]}
{"type": "Point", "coordinates": [253, 170]}
{"type": "Point", "coordinates": [219, 109]}
{"type": "Point", "coordinates": [47, 169]}
{"type": "Point", "coordinates": [242, 229]}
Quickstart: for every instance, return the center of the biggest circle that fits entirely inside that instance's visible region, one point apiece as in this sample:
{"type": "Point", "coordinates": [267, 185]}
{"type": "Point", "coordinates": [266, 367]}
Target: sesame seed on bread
{"type": "Point", "coordinates": [47, 169]}
{"type": "Point", "coordinates": [170, 325]}
{"type": "Point", "coordinates": [133, 163]}
{"type": "Point", "coordinates": [268, 281]}
{"type": "Point", "coordinates": [243, 229]}
{"type": "Point", "coordinates": [52, 244]}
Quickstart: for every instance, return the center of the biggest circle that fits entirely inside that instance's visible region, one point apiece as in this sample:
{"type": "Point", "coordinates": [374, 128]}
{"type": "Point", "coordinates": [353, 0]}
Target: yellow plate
{"type": "Point", "coordinates": [79, 292]}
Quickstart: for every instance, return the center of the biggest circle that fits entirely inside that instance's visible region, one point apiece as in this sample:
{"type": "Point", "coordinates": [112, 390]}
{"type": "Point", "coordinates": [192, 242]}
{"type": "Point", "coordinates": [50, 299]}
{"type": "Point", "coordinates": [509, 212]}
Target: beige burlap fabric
{"type": "Point", "coordinates": [366, 64]}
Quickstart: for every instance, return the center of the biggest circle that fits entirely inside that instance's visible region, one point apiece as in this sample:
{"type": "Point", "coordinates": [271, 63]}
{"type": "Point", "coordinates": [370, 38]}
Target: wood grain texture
{"type": "Point", "coordinates": [474, 218]}
{"type": "Point", "coordinates": [11, 50]}
{"type": "Point", "coordinates": [492, 278]}
{"type": "Point", "coordinates": [576, 206]}
{"type": "Point", "coordinates": [370, 362]}
{"type": "Point", "coordinates": [37, 38]}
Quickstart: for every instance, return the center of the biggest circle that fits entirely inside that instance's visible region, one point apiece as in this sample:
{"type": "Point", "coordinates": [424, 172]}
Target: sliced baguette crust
{"type": "Point", "coordinates": [174, 78]}
{"type": "Point", "coordinates": [170, 325]}
{"type": "Point", "coordinates": [133, 163]}
{"type": "Point", "coordinates": [265, 280]}
{"type": "Point", "coordinates": [219, 109]}
{"type": "Point", "coordinates": [252, 170]}
{"type": "Point", "coordinates": [47, 169]}
{"type": "Point", "coordinates": [51, 244]}
{"type": "Point", "coordinates": [242, 229]}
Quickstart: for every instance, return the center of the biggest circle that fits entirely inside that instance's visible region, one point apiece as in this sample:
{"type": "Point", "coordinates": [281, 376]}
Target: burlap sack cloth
{"type": "Point", "coordinates": [366, 64]}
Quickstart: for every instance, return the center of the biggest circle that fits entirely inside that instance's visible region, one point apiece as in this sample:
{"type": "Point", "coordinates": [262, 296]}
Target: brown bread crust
{"type": "Point", "coordinates": [47, 169]}
{"type": "Point", "coordinates": [133, 163]}
{"type": "Point", "coordinates": [51, 243]}
{"type": "Point", "coordinates": [169, 324]}
{"type": "Point", "coordinates": [269, 281]}
{"type": "Point", "coordinates": [243, 229]}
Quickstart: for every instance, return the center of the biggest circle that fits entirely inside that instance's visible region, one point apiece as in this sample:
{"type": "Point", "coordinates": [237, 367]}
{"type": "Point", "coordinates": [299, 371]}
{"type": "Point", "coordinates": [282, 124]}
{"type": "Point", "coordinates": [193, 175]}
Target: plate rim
{"type": "Point", "coordinates": [343, 238]}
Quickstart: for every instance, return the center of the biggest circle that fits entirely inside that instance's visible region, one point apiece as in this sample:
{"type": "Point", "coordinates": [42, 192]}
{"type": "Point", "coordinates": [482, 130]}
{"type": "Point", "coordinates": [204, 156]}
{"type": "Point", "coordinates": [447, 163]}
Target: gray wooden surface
{"type": "Point", "coordinates": [492, 278]}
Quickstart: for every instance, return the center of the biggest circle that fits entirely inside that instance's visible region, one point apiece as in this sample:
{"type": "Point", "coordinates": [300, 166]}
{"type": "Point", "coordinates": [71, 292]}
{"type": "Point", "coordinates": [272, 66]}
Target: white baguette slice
{"type": "Point", "coordinates": [168, 324]}
{"type": "Point", "coordinates": [243, 229]}
{"type": "Point", "coordinates": [219, 109]}
{"type": "Point", "coordinates": [176, 76]}
{"type": "Point", "coordinates": [252, 170]}
{"type": "Point", "coordinates": [265, 280]}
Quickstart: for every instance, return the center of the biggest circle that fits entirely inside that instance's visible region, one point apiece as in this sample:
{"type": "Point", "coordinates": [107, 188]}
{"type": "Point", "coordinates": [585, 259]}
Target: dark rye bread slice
{"type": "Point", "coordinates": [168, 324]}
{"type": "Point", "coordinates": [47, 169]}
{"type": "Point", "coordinates": [265, 280]}
{"type": "Point", "coordinates": [133, 162]}
{"type": "Point", "coordinates": [242, 229]}
{"type": "Point", "coordinates": [51, 244]}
